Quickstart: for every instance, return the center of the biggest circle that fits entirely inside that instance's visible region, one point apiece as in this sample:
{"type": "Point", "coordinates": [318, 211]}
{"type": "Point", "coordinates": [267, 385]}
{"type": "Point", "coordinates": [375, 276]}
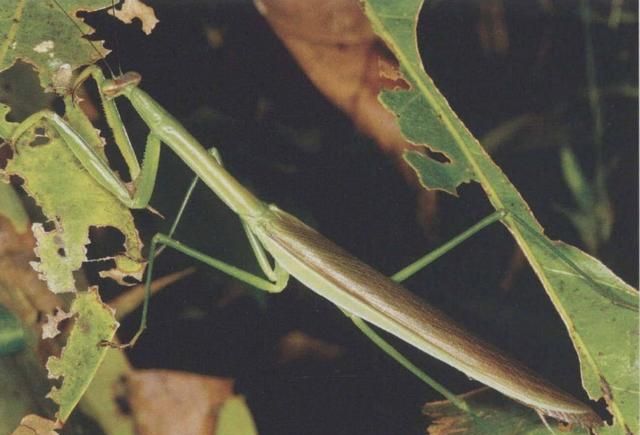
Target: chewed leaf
{"type": "Point", "coordinates": [81, 357]}
{"type": "Point", "coordinates": [423, 114]}
{"type": "Point", "coordinates": [50, 327]}
{"type": "Point", "coordinates": [490, 414]}
{"type": "Point", "coordinates": [599, 310]}
{"type": "Point", "coordinates": [73, 202]}
{"type": "Point", "coordinates": [52, 47]}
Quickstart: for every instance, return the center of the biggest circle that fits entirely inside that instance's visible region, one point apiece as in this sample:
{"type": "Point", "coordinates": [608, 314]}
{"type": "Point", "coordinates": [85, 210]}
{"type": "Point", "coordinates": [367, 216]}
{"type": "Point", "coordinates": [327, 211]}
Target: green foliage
{"type": "Point", "coordinates": [37, 32]}
{"type": "Point", "coordinates": [599, 310]}
{"type": "Point", "coordinates": [60, 186]}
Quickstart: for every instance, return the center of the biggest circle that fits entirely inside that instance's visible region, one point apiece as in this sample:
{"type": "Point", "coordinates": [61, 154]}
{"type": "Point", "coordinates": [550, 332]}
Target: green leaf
{"type": "Point", "coordinates": [82, 356]}
{"type": "Point", "coordinates": [599, 310]}
{"type": "Point", "coordinates": [73, 202]}
{"type": "Point", "coordinates": [235, 418]}
{"type": "Point", "coordinates": [490, 414]}
{"type": "Point", "coordinates": [38, 32]}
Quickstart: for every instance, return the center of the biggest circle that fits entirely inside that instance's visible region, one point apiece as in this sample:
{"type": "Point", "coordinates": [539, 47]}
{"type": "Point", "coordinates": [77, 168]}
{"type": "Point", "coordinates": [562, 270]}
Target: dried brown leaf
{"type": "Point", "coordinates": [334, 44]}
{"type": "Point", "coordinates": [35, 425]}
{"type": "Point", "coordinates": [172, 402]}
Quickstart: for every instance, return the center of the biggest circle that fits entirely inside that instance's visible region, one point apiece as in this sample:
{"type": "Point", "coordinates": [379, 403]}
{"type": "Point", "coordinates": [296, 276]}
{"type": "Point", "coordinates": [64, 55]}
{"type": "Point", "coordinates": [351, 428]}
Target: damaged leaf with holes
{"type": "Point", "coordinates": [73, 202]}
{"type": "Point", "coordinates": [52, 49]}
{"type": "Point", "coordinates": [599, 310]}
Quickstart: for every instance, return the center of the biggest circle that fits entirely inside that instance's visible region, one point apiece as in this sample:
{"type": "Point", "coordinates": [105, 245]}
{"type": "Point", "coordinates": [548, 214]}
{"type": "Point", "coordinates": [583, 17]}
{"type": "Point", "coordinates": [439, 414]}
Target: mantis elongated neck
{"type": "Point", "coordinates": [172, 133]}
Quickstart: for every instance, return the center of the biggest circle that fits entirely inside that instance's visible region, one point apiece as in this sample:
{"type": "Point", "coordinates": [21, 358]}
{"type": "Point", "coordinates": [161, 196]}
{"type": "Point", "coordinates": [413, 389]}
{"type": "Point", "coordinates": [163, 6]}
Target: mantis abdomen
{"type": "Point", "coordinates": [364, 292]}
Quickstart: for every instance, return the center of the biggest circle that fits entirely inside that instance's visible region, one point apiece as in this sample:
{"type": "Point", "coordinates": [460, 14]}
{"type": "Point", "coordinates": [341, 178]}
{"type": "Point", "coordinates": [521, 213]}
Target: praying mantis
{"type": "Point", "coordinates": [295, 249]}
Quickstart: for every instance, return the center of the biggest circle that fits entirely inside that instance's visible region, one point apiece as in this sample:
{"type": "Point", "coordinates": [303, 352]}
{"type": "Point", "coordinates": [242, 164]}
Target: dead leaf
{"type": "Point", "coordinates": [334, 44]}
{"type": "Point", "coordinates": [172, 402]}
{"type": "Point", "coordinates": [35, 425]}
{"type": "Point", "coordinates": [132, 9]}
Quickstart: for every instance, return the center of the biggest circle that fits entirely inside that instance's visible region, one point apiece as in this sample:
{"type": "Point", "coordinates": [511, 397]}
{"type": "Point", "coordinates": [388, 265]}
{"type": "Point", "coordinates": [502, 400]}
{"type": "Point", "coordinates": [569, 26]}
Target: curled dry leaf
{"type": "Point", "coordinates": [334, 44]}
{"type": "Point", "coordinates": [132, 9]}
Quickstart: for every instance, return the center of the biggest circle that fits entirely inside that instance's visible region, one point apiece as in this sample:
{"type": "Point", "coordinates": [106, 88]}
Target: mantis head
{"type": "Point", "coordinates": [113, 87]}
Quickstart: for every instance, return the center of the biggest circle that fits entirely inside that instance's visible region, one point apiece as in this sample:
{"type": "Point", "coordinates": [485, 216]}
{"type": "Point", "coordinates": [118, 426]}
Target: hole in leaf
{"type": "Point", "coordinates": [62, 252]}
{"type": "Point", "coordinates": [105, 242]}
{"type": "Point", "coordinates": [130, 280]}
{"type": "Point", "coordinates": [437, 156]}
{"type": "Point", "coordinates": [40, 137]}
{"type": "Point", "coordinates": [49, 226]}
{"type": "Point", "coordinates": [20, 90]}
{"type": "Point", "coordinates": [6, 154]}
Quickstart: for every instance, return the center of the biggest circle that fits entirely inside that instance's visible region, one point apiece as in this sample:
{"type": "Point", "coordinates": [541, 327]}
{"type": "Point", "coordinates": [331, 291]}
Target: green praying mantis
{"type": "Point", "coordinates": [284, 246]}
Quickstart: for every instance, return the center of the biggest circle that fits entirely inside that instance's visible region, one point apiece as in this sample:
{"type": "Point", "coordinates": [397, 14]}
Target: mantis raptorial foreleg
{"type": "Point", "coordinates": [143, 178]}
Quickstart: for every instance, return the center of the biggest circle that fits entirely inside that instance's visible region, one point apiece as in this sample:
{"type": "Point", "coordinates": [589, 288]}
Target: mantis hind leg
{"type": "Point", "coordinates": [404, 274]}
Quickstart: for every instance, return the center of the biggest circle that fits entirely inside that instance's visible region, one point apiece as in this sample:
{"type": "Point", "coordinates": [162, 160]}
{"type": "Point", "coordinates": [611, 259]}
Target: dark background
{"type": "Point", "coordinates": [281, 138]}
